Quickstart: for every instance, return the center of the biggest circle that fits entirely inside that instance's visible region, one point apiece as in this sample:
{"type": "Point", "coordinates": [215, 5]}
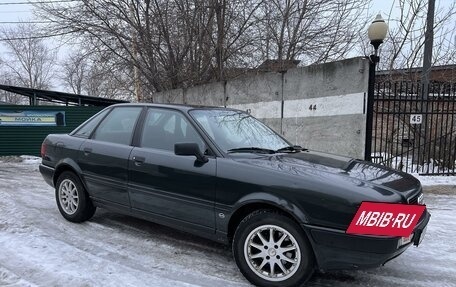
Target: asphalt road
{"type": "Point", "coordinates": [39, 248]}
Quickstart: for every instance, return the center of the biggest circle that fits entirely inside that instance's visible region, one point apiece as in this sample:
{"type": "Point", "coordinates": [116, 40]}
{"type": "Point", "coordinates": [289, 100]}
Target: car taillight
{"type": "Point", "coordinates": [43, 150]}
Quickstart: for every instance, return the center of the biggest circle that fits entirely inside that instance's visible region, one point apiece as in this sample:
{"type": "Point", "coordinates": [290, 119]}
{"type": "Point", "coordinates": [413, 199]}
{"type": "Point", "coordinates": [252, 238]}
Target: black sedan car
{"type": "Point", "coordinates": [221, 174]}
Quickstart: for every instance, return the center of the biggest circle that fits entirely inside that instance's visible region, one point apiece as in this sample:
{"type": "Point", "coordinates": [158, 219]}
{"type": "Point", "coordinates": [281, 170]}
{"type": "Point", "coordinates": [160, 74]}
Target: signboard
{"type": "Point", "coordinates": [416, 119]}
{"type": "Point", "coordinates": [32, 118]}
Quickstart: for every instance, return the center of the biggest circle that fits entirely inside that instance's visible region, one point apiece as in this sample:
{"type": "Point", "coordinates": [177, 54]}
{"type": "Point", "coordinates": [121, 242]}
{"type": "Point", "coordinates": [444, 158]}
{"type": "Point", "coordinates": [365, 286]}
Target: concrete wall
{"type": "Point", "coordinates": [212, 94]}
{"type": "Point", "coordinates": [172, 96]}
{"type": "Point", "coordinates": [324, 106]}
{"type": "Point", "coordinates": [260, 94]}
{"type": "Point", "coordinates": [320, 107]}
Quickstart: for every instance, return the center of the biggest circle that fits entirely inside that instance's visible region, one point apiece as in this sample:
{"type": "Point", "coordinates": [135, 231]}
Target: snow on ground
{"type": "Point", "coordinates": [430, 180]}
{"type": "Point", "coordinates": [39, 248]}
{"type": "Point", "coordinates": [407, 163]}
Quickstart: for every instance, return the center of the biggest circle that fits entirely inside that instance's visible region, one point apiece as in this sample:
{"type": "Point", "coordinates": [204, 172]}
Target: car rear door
{"type": "Point", "coordinates": [168, 187]}
{"type": "Point", "coordinates": [104, 157]}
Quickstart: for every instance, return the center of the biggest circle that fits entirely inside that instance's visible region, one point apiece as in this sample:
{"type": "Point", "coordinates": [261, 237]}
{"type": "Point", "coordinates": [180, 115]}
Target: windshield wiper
{"type": "Point", "coordinates": [291, 148]}
{"type": "Point", "coordinates": [251, 149]}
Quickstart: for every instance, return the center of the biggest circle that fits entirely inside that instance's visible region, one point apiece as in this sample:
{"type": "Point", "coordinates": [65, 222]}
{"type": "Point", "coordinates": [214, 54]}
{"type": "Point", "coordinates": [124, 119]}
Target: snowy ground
{"type": "Point", "coordinates": [39, 248]}
{"type": "Point", "coordinates": [433, 180]}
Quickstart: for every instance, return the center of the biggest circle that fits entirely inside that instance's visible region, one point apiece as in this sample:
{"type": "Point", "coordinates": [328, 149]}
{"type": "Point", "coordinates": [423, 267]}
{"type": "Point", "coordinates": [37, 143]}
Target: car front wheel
{"type": "Point", "coordinates": [72, 199]}
{"type": "Point", "coordinates": [270, 249]}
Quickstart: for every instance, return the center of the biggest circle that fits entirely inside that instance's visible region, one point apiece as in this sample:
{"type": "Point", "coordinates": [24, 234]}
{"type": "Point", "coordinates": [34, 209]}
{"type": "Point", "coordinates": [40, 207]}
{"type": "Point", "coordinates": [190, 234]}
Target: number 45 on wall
{"type": "Point", "coordinates": [416, 119]}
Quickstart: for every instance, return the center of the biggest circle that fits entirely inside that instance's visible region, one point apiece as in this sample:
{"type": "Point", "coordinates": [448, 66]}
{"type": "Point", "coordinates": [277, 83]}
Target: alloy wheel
{"type": "Point", "coordinates": [272, 253]}
{"type": "Point", "coordinates": [68, 196]}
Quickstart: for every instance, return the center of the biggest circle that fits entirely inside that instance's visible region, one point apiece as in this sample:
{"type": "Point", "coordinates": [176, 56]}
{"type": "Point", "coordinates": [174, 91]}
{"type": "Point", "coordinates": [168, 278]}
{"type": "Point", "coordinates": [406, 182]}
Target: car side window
{"type": "Point", "coordinates": [118, 126]}
{"type": "Point", "coordinates": [87, 129]}
{"type": "Point", "coordinates": [164, 128]}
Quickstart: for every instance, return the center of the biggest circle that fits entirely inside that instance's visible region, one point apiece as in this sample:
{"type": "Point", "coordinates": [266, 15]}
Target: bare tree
{"type": "Point", "coordinates": [8, 97]}
{"type": "Point", "coordinates": [180, 43]}
{"type": "Point", "coordinates": [312, 31]}
{"type": "Point", "coordinates": [170, 43]}
{"type": "Point", "coordinates": [107, 82]}
{"type": "Point", "coordinates": [28, 60]}
{"type": "Point", "coordinates": [75, 69]}
{"type": "Point", "coordinates": [85, 73]}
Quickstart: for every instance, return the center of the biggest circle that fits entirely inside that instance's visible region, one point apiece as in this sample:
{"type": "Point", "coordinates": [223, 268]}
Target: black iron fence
{"type": "Point", "coordinates": [413, 133]}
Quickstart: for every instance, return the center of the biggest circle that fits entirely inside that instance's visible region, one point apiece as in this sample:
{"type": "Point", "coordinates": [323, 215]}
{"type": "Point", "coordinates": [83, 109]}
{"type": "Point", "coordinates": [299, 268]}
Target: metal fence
{"type": "Point", "coordinates": [412, 133]}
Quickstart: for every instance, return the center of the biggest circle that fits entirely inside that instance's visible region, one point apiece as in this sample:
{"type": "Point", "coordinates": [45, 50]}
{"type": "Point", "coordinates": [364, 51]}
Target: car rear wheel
{"type": "Point", "coordinates": [72, 199]}
{"type": "Point", "coordinates": [270, 249]}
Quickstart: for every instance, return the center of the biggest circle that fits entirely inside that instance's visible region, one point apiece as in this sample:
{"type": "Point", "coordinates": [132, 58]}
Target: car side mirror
{"type": "Point", "coordinates": [190, 149]}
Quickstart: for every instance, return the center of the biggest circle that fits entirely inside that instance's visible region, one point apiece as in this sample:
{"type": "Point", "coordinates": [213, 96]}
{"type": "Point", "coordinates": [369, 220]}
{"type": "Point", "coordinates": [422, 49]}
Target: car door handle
{"type": "Point", "coordinates": [87, 151]}
{"type": "Point", "coordinates": [139, 160]}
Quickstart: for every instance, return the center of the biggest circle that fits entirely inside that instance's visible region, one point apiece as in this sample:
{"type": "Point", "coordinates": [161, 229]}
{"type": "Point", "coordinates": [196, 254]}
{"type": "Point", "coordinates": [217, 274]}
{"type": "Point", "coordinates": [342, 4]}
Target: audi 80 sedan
{"type": "Point", "coordinates": [221, 174]}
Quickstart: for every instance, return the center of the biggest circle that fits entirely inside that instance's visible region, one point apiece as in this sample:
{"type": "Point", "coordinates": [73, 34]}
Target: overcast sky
{"type": "Point", "coordinates": [16, 12]}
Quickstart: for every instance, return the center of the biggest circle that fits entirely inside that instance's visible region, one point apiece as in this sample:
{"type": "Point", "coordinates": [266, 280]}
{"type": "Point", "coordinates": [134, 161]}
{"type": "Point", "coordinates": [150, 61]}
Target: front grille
{"type": "Point", "coordinates": [414, 199]}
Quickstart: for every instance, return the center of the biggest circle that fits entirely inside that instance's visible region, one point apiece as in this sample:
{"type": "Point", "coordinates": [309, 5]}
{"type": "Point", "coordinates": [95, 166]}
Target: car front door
{"type": "Point", "coordinates": [166, 186]}
{"type": "Point", "coordinates": [103, 158]}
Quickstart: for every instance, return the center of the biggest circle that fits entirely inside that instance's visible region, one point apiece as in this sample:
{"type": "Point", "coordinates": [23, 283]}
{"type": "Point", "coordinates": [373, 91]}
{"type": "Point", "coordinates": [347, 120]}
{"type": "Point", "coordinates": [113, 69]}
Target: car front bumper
{"type": "Point", "coordinates": [334, 249]}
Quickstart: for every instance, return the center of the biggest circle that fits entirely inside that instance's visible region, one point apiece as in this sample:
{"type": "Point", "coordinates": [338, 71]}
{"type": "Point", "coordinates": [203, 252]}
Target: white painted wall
{"type": "Point", "coordinates": [349, 104]}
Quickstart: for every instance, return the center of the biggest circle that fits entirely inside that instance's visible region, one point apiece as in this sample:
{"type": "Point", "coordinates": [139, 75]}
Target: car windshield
{"type": "Point", "coordinates": [236, 131]}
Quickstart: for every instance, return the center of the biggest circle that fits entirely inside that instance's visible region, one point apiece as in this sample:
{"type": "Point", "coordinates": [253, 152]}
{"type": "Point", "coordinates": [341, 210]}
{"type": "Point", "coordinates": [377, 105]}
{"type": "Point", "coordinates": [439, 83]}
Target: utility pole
{"type": "Point", "coordinates": [136, 71]}
{"type": "Point", "coordinates": [428, 43]}
{"type": "Point", "coordinates": [137, 83]}
{"type": "Point", "coordinates": [425, 73]}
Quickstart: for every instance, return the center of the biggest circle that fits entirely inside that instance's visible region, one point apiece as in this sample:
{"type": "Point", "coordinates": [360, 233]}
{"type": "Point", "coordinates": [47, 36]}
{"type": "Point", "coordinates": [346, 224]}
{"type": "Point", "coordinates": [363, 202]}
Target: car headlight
{"type": "Point", "coordinates": [420, 199]}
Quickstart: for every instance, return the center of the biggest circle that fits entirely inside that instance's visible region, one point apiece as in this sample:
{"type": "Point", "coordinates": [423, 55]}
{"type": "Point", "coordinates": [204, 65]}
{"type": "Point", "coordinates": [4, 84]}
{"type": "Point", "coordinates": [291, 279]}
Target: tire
{"type": "Point", "coordinates": [72, 199]}
{"type": "Point", "coordinates": [255, 253]}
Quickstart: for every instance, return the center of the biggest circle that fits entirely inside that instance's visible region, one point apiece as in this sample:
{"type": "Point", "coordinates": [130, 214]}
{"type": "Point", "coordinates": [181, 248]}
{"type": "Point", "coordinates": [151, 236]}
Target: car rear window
{"type": "Point", "coordinates": [87, 128]}
{"type": "Point", "coordinates": [118, 126]}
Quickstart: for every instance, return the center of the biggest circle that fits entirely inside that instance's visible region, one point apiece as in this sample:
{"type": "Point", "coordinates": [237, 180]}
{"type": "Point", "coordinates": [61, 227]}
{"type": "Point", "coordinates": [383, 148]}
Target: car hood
{"type": "Point", "coordinates": [329, 166]}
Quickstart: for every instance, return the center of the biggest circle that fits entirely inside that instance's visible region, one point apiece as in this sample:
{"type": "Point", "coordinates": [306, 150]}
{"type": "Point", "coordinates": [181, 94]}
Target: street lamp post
{"type": "Point", "coordinates": [377, 33]}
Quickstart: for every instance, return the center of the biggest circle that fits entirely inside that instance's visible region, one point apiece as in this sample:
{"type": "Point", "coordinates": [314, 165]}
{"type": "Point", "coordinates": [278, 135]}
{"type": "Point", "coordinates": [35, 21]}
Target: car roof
{"type": "Point", "coordinates": [181, 107]}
